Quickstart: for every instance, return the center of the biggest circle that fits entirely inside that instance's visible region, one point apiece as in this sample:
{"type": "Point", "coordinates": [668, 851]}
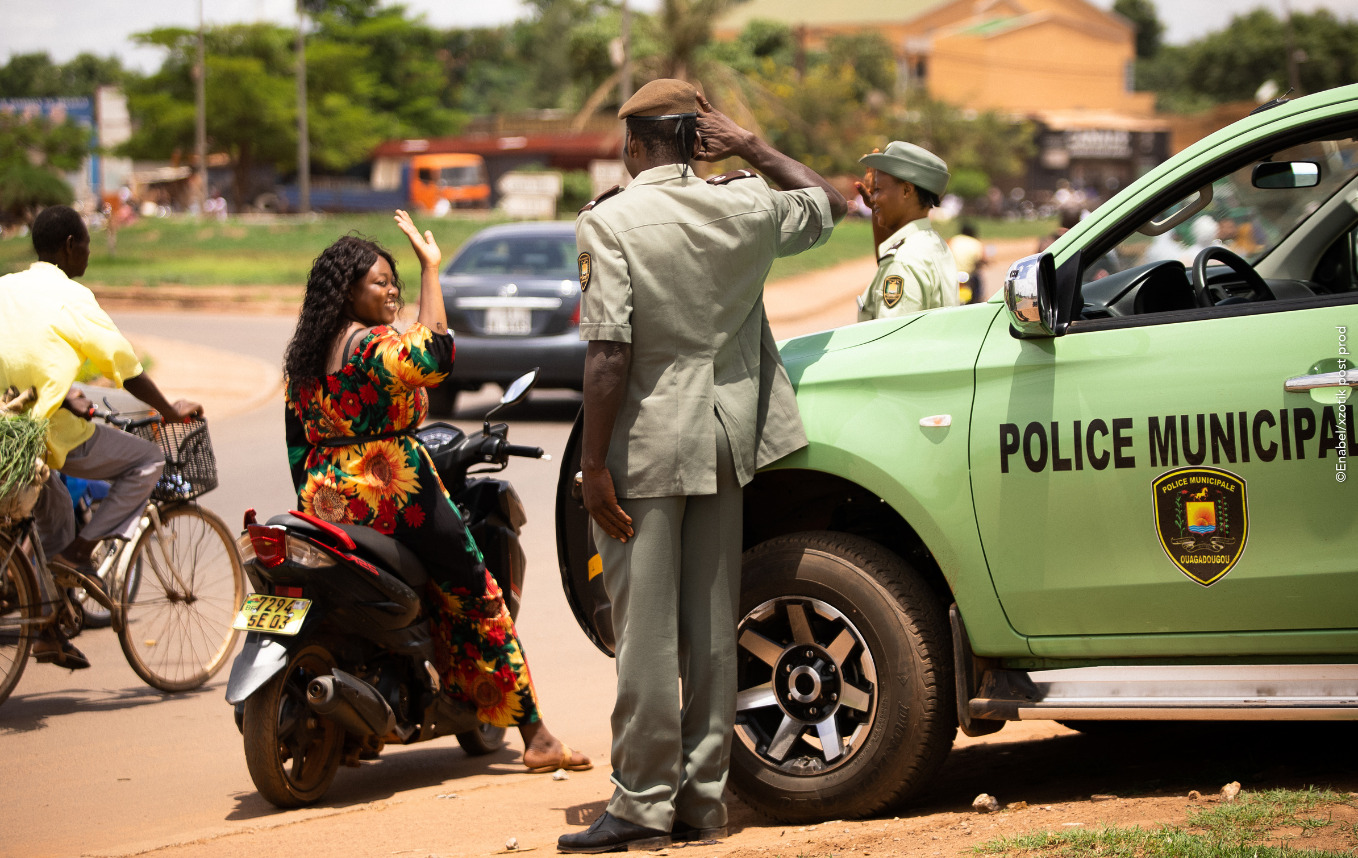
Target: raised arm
{"type": "Point", "coordinates": [720, 137]}
{"type": "Point", "coordinates": [431, 313]}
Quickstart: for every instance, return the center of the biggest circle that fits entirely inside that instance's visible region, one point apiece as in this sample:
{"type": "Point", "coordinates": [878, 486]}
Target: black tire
{"type": "Point", "coordinates": [486, 739]}
{"type": "Point", "coordinates": [292, 753]}
{"type": "Point", "coordinates": [443, 400]}
{"type": "Point", "coordinates": [20, 614]}
{"type": "Point", "coordinates": [838, 633]}
{"type": "Point", "coordinates": [185, 583]}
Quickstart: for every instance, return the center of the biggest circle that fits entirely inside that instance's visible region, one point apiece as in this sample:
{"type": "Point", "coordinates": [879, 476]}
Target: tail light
{"type": "Point", "coordinates": [271, 546]}
{"type": "Point", "coordinates": [575, 317]}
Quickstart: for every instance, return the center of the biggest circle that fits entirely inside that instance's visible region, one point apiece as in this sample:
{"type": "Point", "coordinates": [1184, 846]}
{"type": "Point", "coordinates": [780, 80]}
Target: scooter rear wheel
{"type": "Point", "coordinates": [486, 739]}
{"type": "Point", "coordinates": [291, 751]}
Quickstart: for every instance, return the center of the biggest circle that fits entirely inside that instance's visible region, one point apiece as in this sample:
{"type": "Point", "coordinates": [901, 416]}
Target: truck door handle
{"type": "Point", "coordinates": [1341, 378]}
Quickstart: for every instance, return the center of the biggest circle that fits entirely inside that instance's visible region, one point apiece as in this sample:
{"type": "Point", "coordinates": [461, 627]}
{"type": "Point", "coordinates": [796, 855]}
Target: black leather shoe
{"type": "Point", "coordinates": [610, 834]}
{"type": "Point", "coordinates": [684, 832]}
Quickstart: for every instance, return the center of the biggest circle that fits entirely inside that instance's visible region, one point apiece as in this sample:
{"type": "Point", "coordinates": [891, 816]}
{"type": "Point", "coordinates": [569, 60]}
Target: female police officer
{"type": "Point", "coordinates": [915, 269]}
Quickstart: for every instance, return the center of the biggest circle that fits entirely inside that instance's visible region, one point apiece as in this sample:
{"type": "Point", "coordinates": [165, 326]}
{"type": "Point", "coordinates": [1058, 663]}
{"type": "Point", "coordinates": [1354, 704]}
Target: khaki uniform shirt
{"type": "Point", "coordinates": [50, 325]}
{"type": "Point", "coordinates": [915, 271]}
{"type": "Point", "coordinates": [676, 266]}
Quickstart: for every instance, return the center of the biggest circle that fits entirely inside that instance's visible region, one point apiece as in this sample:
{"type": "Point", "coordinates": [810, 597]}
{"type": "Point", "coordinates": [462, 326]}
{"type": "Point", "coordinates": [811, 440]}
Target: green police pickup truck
{"type": "Point", "coordinates": [1117, 494]}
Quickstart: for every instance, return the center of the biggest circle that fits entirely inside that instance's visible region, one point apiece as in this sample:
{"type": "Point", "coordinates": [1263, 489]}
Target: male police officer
{"type": "Point", "coordinates": [685, 396]}
{"type": "Point", "coordinates": [915, 269]}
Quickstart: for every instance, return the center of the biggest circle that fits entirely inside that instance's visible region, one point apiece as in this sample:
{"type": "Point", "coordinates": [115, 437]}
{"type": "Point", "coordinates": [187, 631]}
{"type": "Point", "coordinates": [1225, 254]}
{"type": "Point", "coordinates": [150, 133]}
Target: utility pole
{"type": "Point", "coordinates": [200, 116]}
{"type": "Point", "coordinates": [303, 142]}
{"type": "Point", "coordinates": [625, 83]}
{"type": "Point", "coordinates": [1293, 55]}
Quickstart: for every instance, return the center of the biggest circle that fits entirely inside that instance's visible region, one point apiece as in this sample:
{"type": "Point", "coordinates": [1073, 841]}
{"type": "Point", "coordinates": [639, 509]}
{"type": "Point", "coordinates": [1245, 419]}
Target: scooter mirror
{"type": "Point", "coordinates": [515, 392]}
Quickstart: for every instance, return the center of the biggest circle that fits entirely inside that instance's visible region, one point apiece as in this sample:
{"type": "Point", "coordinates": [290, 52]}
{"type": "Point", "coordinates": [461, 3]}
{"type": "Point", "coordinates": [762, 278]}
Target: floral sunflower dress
{"type": "Point", "coordinates": [390, 484]}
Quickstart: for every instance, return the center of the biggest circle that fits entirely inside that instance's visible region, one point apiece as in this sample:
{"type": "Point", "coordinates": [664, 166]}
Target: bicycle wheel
{"type": "Point", "coordinates": [178, 604]}
{"type": "Point", "coordinates": [20, 613]}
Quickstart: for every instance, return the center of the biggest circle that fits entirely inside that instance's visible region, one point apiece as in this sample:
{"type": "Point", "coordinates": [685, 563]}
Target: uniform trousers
{"type": "Point", "coordinates": [675, 590]}
{"type": "Point", "coordinates": [131, 465]}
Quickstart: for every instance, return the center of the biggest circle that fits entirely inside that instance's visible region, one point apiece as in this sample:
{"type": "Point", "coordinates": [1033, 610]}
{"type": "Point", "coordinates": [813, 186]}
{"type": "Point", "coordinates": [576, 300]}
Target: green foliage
{"type": "Point", "coordinates": [32, 156]}
{"type": "Point", "coordinates": [22, 440]}
{"type": "Point", "coordinates": [576, 190]}
{"type": "Point", "coordinates": [1231, 65]}
{"type": "Point", "coordinates": [36, 76]}
{"type": "Point", "coordinates": [1149, 31]}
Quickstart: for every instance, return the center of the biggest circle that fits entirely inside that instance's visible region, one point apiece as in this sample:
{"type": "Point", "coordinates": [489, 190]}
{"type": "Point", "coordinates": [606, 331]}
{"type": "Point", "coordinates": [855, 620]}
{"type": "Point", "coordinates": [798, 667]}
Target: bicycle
{"type": "Point", "coordinates": [174, 585]}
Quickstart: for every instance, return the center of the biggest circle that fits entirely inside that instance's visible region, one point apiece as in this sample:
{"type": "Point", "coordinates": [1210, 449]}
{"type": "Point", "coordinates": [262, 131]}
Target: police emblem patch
{"type": "Point", "coordinates": [583, 261]}
{"type": "Point", "coordinates": [892, 289]}
{"type": "Point", "coordinates": [1202, 519]}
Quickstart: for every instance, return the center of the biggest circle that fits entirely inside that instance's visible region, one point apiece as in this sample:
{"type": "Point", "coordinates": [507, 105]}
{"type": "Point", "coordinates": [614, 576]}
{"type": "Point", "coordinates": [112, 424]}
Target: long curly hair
{"type": "Point", "coordinates": [326, 307]}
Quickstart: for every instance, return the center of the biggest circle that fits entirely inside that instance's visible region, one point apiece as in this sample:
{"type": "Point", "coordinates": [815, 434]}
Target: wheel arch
{"type": "Point", "coordinates": [791, 500]}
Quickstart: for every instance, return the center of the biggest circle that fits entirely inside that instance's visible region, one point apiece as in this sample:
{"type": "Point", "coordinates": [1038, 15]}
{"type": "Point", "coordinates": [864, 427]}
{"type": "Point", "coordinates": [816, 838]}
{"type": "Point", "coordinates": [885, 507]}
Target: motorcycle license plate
{"type": "Point", "coordinates": [509, 321]}
{"type": "Point", "coordinates": [276, 615]}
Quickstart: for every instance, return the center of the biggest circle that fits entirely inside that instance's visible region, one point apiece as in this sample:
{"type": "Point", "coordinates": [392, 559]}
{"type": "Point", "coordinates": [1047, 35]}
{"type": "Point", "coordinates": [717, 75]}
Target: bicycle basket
{"type": "Point", "coordinates": [190, 467]}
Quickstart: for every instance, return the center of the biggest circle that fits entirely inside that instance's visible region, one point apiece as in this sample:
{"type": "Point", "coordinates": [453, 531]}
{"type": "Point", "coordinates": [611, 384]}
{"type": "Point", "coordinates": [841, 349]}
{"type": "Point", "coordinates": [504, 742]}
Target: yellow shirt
{"type": "Point", "coordinates": [49, 326]}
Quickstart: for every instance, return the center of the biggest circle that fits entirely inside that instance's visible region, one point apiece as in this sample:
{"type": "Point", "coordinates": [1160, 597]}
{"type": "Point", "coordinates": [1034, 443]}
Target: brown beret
{"type": "Point", "coordinates": [665, 98]}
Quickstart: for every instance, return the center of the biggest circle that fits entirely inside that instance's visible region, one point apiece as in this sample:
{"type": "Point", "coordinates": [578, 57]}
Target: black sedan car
{"type": "Point", "coordinates": [512, 295]}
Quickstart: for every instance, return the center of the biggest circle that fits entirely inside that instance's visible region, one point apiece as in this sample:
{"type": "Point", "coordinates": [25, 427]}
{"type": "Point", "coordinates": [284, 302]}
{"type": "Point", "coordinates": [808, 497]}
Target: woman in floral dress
{"type": "Point", "coordinates": [355, 394]}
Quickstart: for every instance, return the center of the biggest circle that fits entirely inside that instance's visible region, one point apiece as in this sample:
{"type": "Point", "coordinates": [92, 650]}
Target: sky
{"type": "Point", "coordinates": [64, 28]}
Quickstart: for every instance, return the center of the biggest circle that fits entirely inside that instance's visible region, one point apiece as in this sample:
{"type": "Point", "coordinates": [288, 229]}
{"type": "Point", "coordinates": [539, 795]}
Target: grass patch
{"type": "Point", "coordinates": [1244, 828]}
{"type": "Point", "coordinates": [184, 251]}
{"type": "Point", "coordinates": [279, 251]}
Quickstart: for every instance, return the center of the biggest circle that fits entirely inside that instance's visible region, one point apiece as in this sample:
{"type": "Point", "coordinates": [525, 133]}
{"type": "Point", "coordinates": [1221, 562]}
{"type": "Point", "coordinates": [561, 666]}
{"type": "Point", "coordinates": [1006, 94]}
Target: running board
{"type": "Point", "coordinates": [1266, 692]}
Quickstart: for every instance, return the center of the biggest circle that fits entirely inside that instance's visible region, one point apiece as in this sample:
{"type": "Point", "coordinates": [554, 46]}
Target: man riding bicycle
{"type": "Point", "coordinates": [51, 325]}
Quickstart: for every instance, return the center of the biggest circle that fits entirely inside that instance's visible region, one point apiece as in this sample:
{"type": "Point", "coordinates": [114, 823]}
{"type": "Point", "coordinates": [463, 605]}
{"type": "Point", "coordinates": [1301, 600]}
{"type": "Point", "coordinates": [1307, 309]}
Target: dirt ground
{"type": "Point", "coordinates": [1045, 777]}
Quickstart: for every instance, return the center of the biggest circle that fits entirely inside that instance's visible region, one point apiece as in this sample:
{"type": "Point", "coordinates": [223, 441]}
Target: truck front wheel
{"type": "Point", "coordinates": [845, 692]}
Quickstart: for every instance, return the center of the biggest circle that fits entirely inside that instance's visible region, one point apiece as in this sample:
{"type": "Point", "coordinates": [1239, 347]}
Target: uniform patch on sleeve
{"type": "Point", "coordinates": [892, 289]}
{"type": "Point", "coordinates": [583, 261]}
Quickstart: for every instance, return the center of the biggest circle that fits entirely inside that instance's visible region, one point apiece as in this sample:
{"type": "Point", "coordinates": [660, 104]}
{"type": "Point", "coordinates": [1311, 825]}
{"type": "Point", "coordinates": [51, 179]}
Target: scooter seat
{"type": "Point", "coordinates": [371, 545]}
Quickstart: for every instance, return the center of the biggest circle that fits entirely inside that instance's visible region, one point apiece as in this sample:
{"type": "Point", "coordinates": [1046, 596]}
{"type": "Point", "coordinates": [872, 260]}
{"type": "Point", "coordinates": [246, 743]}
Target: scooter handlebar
{"type": "Point", "coordinates": [526, 452]}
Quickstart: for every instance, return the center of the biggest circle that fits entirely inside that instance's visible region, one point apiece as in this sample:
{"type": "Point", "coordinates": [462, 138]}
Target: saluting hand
{"type": "Point", "coordinates": [424, 245]}
{"type": "Point", "coordinates": [718, 135]}
{"type": "Point", "coordinates": [868, 186]}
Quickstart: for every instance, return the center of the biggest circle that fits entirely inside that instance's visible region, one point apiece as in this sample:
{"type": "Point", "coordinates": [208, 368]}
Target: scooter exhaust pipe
{"type": "Point", "coordinates": [352, 703]}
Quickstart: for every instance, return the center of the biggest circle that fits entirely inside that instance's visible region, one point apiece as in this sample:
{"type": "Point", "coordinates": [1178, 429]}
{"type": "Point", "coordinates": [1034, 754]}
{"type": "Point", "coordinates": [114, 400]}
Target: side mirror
{"type": "Point", "coordinates": [515, 392]}
{"type": "Point", "coordinates": [1030, 295]}
{"type": "Point", "coordinates": [1285, 175]}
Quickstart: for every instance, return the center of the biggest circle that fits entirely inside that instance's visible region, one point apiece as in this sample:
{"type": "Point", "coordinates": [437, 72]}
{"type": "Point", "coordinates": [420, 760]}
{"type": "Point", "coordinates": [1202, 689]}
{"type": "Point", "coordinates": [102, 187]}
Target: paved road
{"type": "Point", "coordinates": [100, 764]}
{"type": "Point", "coordinates": [110, 766]}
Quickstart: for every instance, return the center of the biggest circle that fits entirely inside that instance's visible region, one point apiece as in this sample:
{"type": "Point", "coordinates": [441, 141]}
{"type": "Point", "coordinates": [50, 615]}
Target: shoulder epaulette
{"type": "Point", "coordinates": [731, 177]}
{"type": "Point", "coordinates": [616, 189]}
{"type": "Point", "coordinates": [891, 251]}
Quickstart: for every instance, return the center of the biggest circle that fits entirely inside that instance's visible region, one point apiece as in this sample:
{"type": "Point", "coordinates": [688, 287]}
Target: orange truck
{"type": "Point", "coordinates": [424, 183]}
{"type": "Point", "coordinates": [457, 177]}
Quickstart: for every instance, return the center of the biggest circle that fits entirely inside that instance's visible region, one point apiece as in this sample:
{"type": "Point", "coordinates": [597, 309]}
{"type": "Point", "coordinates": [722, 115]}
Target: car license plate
{"type": "Point", "coordinates": [508, 320]}
{"type": "Point", "coordinates": [276, 615]}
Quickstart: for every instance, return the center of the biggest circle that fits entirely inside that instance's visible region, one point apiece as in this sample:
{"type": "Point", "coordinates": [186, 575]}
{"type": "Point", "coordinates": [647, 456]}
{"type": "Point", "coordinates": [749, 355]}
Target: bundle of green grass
{"type": "Point", "coordinates": [23, 441]}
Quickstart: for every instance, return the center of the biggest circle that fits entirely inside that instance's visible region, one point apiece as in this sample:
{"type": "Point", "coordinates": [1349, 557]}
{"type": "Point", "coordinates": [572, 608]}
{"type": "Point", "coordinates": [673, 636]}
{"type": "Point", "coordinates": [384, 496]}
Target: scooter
{"type": "Point", "coordinates": [339, 659]}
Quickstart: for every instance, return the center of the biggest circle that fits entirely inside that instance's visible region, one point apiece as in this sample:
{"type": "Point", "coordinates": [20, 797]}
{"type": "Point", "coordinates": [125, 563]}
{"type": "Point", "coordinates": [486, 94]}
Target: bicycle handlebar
{"type": "Point", "coordinates": [108, 415]}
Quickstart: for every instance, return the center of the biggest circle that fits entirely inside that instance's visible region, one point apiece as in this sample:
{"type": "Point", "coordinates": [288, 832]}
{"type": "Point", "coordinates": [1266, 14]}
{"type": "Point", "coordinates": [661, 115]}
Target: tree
{"type": "Point", "coordinates": [33, 153]}
{"type": "Point", "coordinates": [1149, 31]}
{"type": "Point", "coordinates": [1232, 64]}
{"type": "Point", "coordinates": [36, 76]}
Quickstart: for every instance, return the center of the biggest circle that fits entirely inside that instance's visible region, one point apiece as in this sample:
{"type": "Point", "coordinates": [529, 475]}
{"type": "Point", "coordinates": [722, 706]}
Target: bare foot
{"type": "Point", "coordinates": [545, 752]}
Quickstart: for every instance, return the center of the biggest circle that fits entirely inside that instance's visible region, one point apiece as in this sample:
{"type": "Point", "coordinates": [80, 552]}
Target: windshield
{"type": "Point", "coordinates": [460, 176]}
{"type": "Point", "coordinates": [543, 256]}
{"type": "Point", "coordinates": [1247, 220]}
